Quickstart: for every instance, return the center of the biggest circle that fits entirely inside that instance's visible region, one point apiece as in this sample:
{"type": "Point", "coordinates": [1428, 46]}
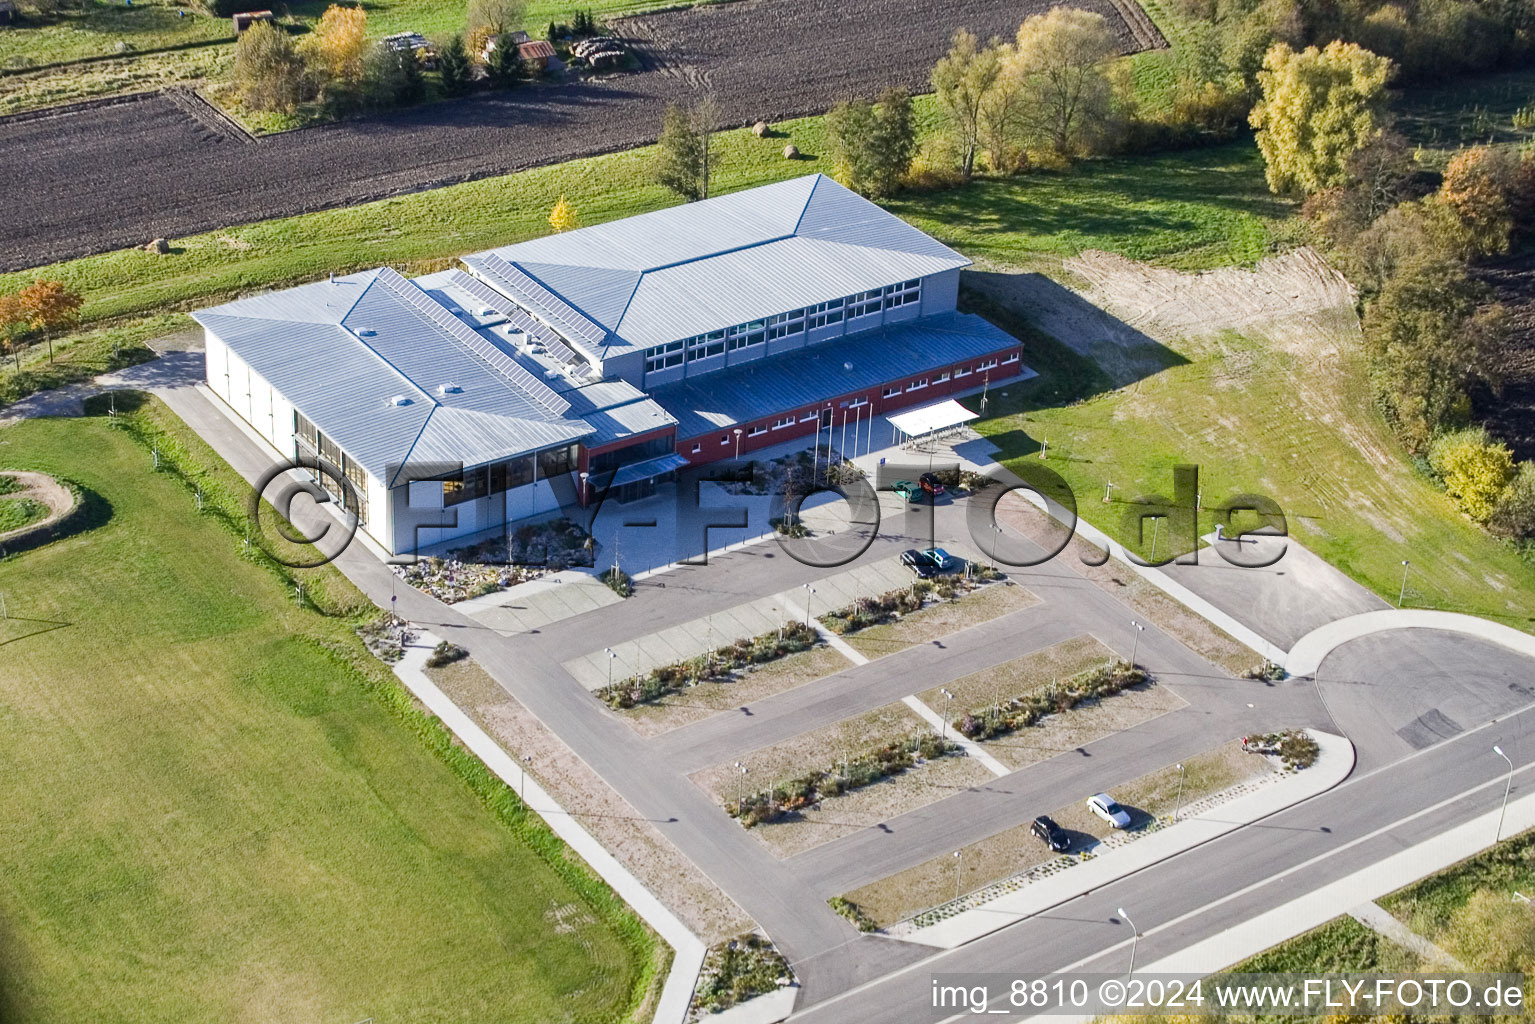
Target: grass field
{"type": "Point", "coordinates": [1192, 209]}
{"type": "Point", "coordinates": [218, 807]}
{"type": "Point", "coordinates": [1259, 415]}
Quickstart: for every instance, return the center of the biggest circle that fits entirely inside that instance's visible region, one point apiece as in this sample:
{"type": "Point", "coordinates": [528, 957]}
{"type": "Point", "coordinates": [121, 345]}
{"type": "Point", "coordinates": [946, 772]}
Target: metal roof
{"type": "Point", "coordinates": [703, 266]}
{"type": "Point", "coordinates": [391, 375]}
{"type": "Point", "coordinates": [793, 380]}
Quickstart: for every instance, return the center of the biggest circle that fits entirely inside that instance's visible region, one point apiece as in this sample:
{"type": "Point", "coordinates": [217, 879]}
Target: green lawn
{"type": "Point", "coordinates": [98, 28]}
{"type": "Point", "coordinates": [1428, 905]}
{"type": "Point", "coordinates": [217, 807]}
{"type": "Point", "coordinates": [18, 512]}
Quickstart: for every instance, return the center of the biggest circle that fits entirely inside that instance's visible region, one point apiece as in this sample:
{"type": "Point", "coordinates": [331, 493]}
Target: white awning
{"type": "Point", "coordinates": [929, 418]}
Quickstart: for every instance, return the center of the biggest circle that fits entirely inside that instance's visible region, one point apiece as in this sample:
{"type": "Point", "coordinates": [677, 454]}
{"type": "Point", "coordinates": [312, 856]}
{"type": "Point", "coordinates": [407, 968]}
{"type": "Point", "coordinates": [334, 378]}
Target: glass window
{"type": "Point", "coordinates": [513, 473]}
{"type": "Point", "coordinates": [305, 430]}
{"type": "Point", "coordinates": [471, 484]}
{"type": "Point", "coordinates": [890, 392]}
{"type": "Point", "coordinates": [556, 462]}
{"type": "Point", "coordinates": [902, 294]}
{"type": "Point", "coordinates": [962, 371]}
{"type": "Point", "coordinates": [754, 431]}
{"type": "Point", "coordinates": [663, 357]}
{"type": "Point", "coordinates": [785, 324]}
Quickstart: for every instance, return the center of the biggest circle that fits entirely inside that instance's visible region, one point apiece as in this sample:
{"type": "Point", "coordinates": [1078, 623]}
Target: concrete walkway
{"type": "Point", "coordinates": [1334, 763]}
{"type": "Point", "coordinates": [689, 950]}
{"type": "Point", "coordinates": [1376, 918]}
{"type": "Point", "coordinates": [1310, 651]}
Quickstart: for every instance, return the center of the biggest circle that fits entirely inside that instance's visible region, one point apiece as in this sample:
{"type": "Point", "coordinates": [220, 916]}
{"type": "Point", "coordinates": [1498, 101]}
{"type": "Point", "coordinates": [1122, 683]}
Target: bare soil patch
{"type": "Point", "coordinates": [621, 829]}
{"type": "Point", "coordinates": [147, 169]}
{"type": "Point", "coordinates": [1083, 724]}
{"type": "Point", "coordinates": [834, 817]}
{"type": "Point", "coordinates": [939, 620]}
{"type": "Point", "coordinates": [1011, 678]}
{"type": "Point", "coordinates": [710, 697]}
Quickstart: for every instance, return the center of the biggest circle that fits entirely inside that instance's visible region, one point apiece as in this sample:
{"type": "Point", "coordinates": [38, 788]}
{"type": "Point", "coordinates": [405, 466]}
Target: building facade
{"type": "Point", "coordinates": [465, 400]}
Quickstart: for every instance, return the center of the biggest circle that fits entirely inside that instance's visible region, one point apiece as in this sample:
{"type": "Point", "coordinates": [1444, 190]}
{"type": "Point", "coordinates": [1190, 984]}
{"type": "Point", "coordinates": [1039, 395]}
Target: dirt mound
{"type": "Point", "coordinates": [42, 488]}
{"type": "Point", "coordinates": [1164, 302]}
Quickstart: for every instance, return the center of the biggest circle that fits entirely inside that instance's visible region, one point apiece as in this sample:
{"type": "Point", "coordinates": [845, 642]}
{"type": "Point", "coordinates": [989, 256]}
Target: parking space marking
{"type": "Point", "coordinates": [970, 747]}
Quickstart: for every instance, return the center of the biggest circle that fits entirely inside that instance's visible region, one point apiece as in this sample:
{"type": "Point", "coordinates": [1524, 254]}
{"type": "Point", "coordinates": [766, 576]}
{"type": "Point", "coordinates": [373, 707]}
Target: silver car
{"type": "Point", "coordinates": [1106, 808]}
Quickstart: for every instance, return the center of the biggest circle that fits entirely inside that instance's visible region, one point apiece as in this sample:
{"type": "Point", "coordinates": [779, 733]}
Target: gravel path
{"type": "Point", "coordinates": [107, 176]}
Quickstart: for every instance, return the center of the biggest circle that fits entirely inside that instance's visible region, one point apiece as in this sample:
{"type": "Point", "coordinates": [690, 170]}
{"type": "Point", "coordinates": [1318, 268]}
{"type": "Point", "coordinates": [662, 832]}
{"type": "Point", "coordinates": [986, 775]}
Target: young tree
{"type": "Point", "coordinates": [48, 306]}
{"type": "Point", "coordinates": [563, 216]}
{"type": "Point", "coordinates": [1318, 108]}
{"type": "Point", "coordinates": [1060, 60]}
{"type": "Point", "coordinates": [499, 16]}
{"type": "Point", "coordinates": [339, 41]}
{"type": "Point", "coordinates": [849, 127]}
{"type": "Point", "coordinates": [683, 151]}
{"type": "Point", "coordinates": [893, 140]}
{"type": "Point", "coordinates": [504, 66]}
{"type": "Point", "coordinates": [453, 66]}
{"type": "Point", "coordinates": [962, 80]}
{"type": "Point", "coordinates": [268, 70]}
{"type": "Point", "coordinates": [13, 326]}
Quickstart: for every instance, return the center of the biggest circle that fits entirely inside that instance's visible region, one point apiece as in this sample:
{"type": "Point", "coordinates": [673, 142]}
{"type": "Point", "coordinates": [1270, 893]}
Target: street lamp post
{"type": "Point", "coordinates": [1135, 938]}
{"type": "Point", "coordinates": [1506, 787]}
{"type": "Point", "coordinates": [1135, 648]}
{"type": "Point", "coordinates": [1179, 805]}
{"type": "Point", "coordinates": [522, 776]}
{"type": "Point", "coordinates": [996, 531]}
{"type": "Point", "coordinates": [611, 657]}
{"type": "Point", "coordinates": [958, 877]}
{"type": "Point", "coordinates": [738, 443]}
{"type": "Point", "coordinates": [1402, 594]}
{"type": "Point", "coordinates": [809, 594]}
{"type": "Point", "coordinates": [1156, 525]}
{"type": "Point", "coordinates": [740, 781]}
{"type": "Point", "coordinates": [943, 732]}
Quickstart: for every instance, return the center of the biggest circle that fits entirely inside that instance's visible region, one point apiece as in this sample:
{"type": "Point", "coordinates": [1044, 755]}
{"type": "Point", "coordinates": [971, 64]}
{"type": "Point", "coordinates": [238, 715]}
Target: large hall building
{"type": "Point", "coordinates": [625, 351]}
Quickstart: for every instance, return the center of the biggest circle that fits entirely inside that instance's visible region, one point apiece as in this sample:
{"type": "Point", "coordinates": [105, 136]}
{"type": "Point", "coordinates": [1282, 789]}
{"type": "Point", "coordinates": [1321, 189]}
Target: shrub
{"type": "Point", "coordinates": [853, 912]}
{"type": "Point", "coordinates": [837, 778]}
{"type": "Point", "coordinates": [445, 654]}
{"type": "Point", "coordinates": [1027, 709]}
{"type": "Point", "coordinates": [1475, 471]}
{"type": "Point", "coordinates": [660, 682]}
{"type": "Point", "coordinates": [738, 969]}
{"type": "Point", "coordinates": [1296, 748]}
{"type": "Point", "coordinates": [618, 581]}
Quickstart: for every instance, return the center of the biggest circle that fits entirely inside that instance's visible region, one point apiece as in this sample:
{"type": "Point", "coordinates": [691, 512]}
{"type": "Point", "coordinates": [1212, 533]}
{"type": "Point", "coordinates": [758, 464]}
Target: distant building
{"type": "Point", "coordinates": [625, 350]}
{"type": "Point", "coordinates": [245, 19]}
{"type": "Point", "coordinates": [536, 54]}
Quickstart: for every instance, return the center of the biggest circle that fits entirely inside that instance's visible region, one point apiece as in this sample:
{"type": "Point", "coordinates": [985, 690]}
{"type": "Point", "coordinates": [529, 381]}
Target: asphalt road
{"type": "Point", "coordinates": [1200, 893]}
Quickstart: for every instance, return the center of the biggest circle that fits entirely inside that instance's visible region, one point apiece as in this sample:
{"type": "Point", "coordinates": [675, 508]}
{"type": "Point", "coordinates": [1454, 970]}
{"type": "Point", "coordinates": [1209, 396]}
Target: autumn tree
{"type": "Point", "coordinates": [563, 216]}
{"type": "Point", "coordinates": [1476, 186]}
{"type": "Point", "coordinates": [48, 306]}
{"type": "Point", "coordinates": [683, 151]}
{"type": "Point", "coordinates": [963, 80]}
{"type": "Point", "coordinates": [1318, 107]}
{"type": "Point", "coordinates": [1474, 468]}
{"type": "Point", "coordinates": [1060, 61]}
{"type": "Point", "coordinates": [268, 70]}
{"type": "Point", "coordinates": [338, 43]}
{"type": "Point", "coordinates": [1427, 334]}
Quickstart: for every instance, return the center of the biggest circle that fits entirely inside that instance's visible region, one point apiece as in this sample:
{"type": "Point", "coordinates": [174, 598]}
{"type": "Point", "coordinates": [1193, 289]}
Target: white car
{"type": "Point", "coordinates": [1104, 806]}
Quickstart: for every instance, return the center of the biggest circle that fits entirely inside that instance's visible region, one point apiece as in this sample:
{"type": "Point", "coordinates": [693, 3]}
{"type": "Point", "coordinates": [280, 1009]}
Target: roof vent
{"type": "Point", "coordinates": [449, 388]}
{"type": "Point", "coordinates": [848, 367]}
{"type": "Point", "coordinates": [487, 311]}
{"type": "Point", "coordinates": [399, 400]}
{"type": "Point", "coordinates": [364, 332]}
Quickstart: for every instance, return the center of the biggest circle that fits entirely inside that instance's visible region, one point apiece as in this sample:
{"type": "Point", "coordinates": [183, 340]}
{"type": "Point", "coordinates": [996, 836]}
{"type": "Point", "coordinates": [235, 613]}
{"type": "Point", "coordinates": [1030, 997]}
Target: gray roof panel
{"type": "Point", "coordinates": [794, 380]}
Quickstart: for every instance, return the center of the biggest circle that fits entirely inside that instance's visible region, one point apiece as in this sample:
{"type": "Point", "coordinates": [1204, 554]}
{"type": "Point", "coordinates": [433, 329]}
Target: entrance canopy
{"type": "Point", "coordinates": [932, 418]}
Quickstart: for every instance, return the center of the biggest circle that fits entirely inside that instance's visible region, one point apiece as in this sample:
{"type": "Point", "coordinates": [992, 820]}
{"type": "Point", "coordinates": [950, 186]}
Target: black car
{"type": "Point", "coordinates": [1051, 834]}
{"type": "Point", "coordinates": [921, 563]}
